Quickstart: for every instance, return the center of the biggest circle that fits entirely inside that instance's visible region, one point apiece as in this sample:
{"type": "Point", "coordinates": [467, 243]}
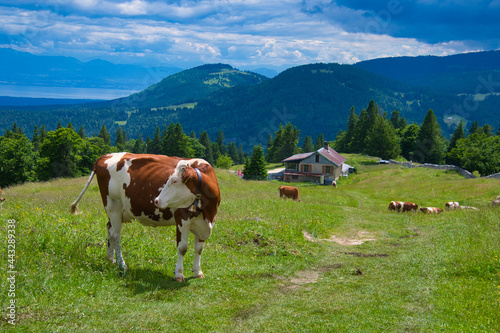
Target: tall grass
{"type": "Point", "coordinates": [419, 273]}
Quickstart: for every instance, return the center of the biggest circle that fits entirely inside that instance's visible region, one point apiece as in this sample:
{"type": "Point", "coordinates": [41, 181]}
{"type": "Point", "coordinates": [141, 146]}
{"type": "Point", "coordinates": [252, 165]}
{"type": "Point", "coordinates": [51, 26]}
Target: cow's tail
{"type": "Point", "coordinates": [74, 205]}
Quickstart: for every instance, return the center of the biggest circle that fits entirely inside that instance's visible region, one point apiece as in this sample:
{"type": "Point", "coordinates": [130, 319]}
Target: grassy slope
{"type": "Point", "coordinates": [421, 273]}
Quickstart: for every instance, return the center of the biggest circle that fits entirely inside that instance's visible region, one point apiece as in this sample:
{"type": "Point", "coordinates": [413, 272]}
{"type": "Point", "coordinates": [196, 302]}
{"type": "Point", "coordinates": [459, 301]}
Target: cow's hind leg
{"type": "Point", "coordinates": [198, 248]}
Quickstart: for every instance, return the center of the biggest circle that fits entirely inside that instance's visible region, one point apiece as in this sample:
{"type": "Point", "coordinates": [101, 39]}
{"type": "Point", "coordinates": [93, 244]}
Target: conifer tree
{"type": "Point", "coordinates": [307, 146]}
{"type": "Point", "coordinates": [103, 134]}
{"type": "Point", "coordinates": [81, 132]}
{"type": "Point", "coordinates": [320, 141]}
{"type": "Point", "coordinates": [36, 139]}
{"type": "Point", "coordinates": [408, 142]}
{"type": "Point", "coordinates": [220, 142]}
{"type": "Point", "coordinates": [361, 130]}
{"type": "Point", "coordinates": [205, 141]}
{"type": "Point", "coordinates": [474, 127]}
{"type": "Point", "coordinates": [382, 140]}
{"type": "Point", "coordinates": [241, 154]}
{"type": "Point", "coordinates": [120, 139]}
{"type": "Point", "coordinates": [232, 152]}
{"type": "Point", "coordinates": [431, 144]}
{"type": "Point", "coordinates": [344, 139]}
{"type": "Point", "coordinates": [155, 146]}
{"type": "Point", "coordinates": [458, 134]}
{"type": "Point", "coordinates": [256, 167]}
{"type": "Point", "coordinates": [284, 143]}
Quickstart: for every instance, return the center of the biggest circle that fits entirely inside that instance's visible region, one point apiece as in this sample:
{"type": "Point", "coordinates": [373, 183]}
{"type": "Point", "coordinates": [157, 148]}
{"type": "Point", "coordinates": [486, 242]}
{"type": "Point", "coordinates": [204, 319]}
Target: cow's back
{"type": "Point", "coordinates": [133, 181]}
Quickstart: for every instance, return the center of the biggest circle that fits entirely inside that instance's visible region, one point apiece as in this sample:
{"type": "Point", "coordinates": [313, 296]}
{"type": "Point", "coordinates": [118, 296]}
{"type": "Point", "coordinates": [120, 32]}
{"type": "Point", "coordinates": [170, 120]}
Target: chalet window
{"type": "Point", "coordinates": [328, 169]}
{"type": "Point", "coordinates": [317, 158]}
{"type": "Point", "coordinates": [306, 167]}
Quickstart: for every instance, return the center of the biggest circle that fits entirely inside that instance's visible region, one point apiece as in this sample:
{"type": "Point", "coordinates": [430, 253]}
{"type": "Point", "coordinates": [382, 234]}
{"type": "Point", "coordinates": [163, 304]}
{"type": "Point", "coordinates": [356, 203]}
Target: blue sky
{"type": "Point", "coordinates": [246, 34]}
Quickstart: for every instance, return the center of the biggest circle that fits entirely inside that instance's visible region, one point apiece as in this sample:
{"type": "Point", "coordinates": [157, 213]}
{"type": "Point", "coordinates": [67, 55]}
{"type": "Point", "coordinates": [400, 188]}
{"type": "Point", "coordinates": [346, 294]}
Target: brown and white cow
{"type": "Point", "coordinates": [431, 210]}
{"type": "Point", "coordinates": [402, 206]}
{"type": "Point", "coordinates": [334, 183]}
{"type": "Point", "coordinates": [289, 192]}
{"type": "Point", "coordinates": [1, 199]}
{"type": "Point", "coordinates": [410, 206]}
{"type": "Point", "coordinates": [395, 205]}
{"type": "Point", "coordinates": [452, 205]}
{"type": "Point", "coordinates": [157, 190]}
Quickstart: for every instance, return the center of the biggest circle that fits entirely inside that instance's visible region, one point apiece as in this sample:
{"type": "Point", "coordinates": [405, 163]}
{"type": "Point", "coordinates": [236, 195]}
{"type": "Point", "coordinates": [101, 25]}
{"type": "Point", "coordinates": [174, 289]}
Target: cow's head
{"type": "Point", "coordinates": [179, 191]}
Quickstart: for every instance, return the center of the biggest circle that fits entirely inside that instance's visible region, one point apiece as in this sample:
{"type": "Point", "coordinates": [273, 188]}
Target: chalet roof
{"type": "Point", "coordinates": [330, 154]}
{"type": "Point", "coordinates": [298, 157]}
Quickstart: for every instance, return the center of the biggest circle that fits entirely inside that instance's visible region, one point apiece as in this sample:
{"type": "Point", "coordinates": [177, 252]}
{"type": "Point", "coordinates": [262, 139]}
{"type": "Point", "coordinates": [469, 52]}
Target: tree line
{"type": "Point", "coordinates": [375, 134]}
{"type": "Point", "coordinates": [67, 153]}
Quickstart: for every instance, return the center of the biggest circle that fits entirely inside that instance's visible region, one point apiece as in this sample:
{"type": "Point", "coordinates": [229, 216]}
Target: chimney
{"type": "Point", "coordinates": [326, 145]}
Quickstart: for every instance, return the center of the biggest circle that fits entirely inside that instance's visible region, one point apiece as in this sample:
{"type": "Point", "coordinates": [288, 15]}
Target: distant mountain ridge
{"type": "Point", "coordinates": [23, 68]}
{"type": "Point", "coordinates": [456, 74]}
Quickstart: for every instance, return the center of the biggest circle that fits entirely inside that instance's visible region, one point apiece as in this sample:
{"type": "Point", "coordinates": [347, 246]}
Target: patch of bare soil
{"type": "Point", "coordinates": [306, 277]}
{"type": "Point", "coordinates": [363, 236]}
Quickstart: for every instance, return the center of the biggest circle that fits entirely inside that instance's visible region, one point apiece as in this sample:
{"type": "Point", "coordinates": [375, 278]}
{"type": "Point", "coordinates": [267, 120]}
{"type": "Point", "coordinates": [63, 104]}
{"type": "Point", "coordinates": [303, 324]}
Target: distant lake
{"type": "Point", "coordinates": [63, 92]}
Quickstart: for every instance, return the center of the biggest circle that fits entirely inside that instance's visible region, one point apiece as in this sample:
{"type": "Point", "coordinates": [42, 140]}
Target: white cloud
{"type": "Point", "coordinates": [188, 33]}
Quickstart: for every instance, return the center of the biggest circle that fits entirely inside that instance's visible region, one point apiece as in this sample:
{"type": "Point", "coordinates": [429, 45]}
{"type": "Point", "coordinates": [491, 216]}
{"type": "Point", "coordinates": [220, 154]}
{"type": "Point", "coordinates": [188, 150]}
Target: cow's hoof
{"type": "Point", "coordinates": [180, 278]}
{"type": "Point", "coordinates": [199, 276]}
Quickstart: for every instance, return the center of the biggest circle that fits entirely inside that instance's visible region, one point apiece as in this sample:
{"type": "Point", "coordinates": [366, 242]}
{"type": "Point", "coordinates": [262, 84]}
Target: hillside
{"type": "Point", "coordinates": [337, 261]}
{"type": "Point", "coordinates": [189, 86]}
{"type": "Point", "coordinates": [452, 74]}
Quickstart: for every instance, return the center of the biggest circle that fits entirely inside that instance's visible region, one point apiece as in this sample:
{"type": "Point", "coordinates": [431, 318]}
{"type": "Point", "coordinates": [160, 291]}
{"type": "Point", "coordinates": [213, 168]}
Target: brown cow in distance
{"type": "Point", "coordinates": [289, 192]}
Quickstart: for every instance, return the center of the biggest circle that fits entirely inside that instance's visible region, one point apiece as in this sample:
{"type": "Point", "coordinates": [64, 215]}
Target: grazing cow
{"type": "Point", "coordinates": [409, 206]}
{"type": "Point", "coordinates": [1, 199]}
{"type": "Point", "coordinates": [431, 210]}
{"type": "Point", "coordinates": [452, 205]}
{"type": "Point", "coordinates": [289, 192]}
{"type": "Point", "coordinates": [334, 183]}
{"type": "Point", "coordinates": [157, 191]}
{"type": "Point", "coordinates": [496, 202]}
{"type": "Point", "coordinates": [401, 206]}
{"type": "Point", "coordinates": [395, 205]}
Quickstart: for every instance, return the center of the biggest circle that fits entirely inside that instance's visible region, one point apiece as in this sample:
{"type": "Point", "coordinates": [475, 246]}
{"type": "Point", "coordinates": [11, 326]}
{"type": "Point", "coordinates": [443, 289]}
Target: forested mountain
{"type": "Point", "coordinates": [461, 73]}
{"type": "Point", "coordinates": [188, 86]}
{"type": "Point", "coordinates": [316, 98]}
{"type": "Point", "coordinates": [26, 69]}
{"type": "Point", "coordinates": [248, 107]}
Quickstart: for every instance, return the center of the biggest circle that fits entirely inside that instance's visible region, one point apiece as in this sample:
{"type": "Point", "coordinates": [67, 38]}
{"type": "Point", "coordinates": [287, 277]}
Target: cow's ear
{"type": "Point", "coordinates": [187, 174]}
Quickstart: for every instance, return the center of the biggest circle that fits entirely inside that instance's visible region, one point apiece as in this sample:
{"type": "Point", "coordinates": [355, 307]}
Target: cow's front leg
{"type": "Point", "coordinates": [182, 245]}
{"type": "Point", "coordinates": [198, 248]}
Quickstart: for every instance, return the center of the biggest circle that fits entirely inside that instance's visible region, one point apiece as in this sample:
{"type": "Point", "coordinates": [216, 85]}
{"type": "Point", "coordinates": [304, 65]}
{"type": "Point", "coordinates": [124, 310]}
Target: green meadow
{"type": "Point", "coordinates": [337, 261]}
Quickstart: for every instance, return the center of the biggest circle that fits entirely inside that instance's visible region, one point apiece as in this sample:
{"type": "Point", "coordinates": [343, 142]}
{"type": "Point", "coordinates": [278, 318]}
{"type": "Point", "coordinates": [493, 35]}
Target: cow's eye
{"type": "Point", "coordinates": [174, 181]}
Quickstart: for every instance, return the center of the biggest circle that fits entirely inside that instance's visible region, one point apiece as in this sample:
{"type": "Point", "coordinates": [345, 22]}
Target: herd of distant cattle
{"type": "Point", "coordinates": [399, 206]}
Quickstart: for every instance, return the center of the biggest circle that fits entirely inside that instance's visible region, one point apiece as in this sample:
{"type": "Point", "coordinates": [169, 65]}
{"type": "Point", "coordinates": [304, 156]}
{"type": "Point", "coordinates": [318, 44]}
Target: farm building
{"type": "Point", "coordinates": [321, 166]}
